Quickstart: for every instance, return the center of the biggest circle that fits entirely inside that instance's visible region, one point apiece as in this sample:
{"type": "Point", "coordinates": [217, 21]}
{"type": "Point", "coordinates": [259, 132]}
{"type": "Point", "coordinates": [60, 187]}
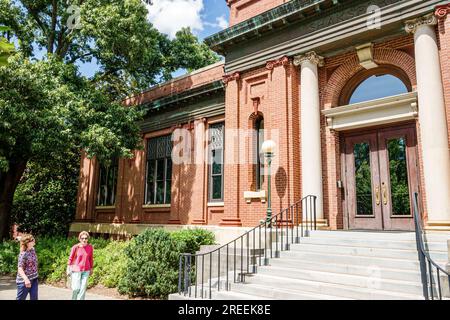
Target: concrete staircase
{"type": "Point", "coordinates": [336, 265]}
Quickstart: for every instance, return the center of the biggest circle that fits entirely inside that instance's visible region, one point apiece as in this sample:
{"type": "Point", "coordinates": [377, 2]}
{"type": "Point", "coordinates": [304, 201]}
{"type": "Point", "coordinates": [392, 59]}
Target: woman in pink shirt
{"type": "Point", "coordinates": [80, 265]}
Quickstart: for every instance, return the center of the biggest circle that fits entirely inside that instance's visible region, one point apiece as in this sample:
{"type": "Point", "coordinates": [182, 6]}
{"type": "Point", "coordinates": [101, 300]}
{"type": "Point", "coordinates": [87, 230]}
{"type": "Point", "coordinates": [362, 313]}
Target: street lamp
{"type": "Point", "coordinates": [268, 148]}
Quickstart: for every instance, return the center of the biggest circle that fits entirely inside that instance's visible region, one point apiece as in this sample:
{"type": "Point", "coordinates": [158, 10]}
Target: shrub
{"type": "Point", "coordinates": [9, 250]}
{"type": "Point", "coordinates": [192, 239]}
{"type": "Point", "coordinates": [109, 265]}
{"type": "Point", "coordinates": [153, 260]}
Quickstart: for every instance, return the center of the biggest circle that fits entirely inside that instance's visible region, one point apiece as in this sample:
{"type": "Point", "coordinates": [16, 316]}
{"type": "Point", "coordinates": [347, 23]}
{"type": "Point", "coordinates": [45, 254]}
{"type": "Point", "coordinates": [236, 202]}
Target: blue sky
{"type": "Point", "coordinates": [204, 17]}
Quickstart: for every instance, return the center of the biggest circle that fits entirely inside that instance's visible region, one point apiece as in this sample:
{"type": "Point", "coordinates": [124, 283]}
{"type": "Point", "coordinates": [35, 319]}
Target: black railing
{"type": "Point", "coordinates": [230, 263]}
{"type": "Point", "coordinates": [432, 286]}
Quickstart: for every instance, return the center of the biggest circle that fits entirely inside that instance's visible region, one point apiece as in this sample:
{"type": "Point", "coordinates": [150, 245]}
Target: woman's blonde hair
{"type": "Point", "coordinates": [83, 233]}
{"type": "Point", "coordinates": [25, 239]}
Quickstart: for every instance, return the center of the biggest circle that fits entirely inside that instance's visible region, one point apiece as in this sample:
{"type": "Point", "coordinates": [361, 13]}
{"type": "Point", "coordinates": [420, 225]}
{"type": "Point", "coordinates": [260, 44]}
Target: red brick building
{"type": "Point", "coordinates": [355, 95]}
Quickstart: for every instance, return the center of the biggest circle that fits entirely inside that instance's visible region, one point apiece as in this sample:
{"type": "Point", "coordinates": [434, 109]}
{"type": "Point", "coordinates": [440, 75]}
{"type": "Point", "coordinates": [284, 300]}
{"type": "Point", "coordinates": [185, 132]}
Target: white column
{"type": "Point", "coordinates": [432, 120]}
{"type": "Point", "coordinates": [311, 153]}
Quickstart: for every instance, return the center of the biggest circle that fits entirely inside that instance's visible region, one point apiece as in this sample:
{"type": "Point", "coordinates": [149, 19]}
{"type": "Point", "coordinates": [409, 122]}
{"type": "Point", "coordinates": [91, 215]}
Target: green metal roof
{"type": "Point", "coordinates": [194, 93]}
{"type": "Point", "coordinates": [284, 11]}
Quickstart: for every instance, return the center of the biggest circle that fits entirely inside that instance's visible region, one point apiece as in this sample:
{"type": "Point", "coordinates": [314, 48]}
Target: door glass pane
{"type": "Point", "coordinates": [363, 183]}
{"type": "Point", "coordinates": [398, 174]}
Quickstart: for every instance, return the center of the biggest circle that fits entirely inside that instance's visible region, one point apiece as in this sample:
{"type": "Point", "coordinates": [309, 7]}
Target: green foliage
{"type": "Point", "coordinates": [190, 240]}
{"type": "Point", "coordinates": [189, 53]}
{"type": "Point", "coordinates": [145, 266]}
{"type": "Point", "coordinates": [109, 265]}
{"type": "Point", "coordinates": [45, 200]}
{"type": "Point", "coordinates": [153, 260]}
{"type": "Point", "coordinates": [9, 251]}
{"type": "Point", "coordinates": [48, 109]}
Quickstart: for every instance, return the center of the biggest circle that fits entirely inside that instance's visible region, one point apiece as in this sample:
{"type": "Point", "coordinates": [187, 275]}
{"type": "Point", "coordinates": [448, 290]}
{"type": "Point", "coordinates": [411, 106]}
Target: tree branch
{"type": "Point", "coordinates": [51, 37]}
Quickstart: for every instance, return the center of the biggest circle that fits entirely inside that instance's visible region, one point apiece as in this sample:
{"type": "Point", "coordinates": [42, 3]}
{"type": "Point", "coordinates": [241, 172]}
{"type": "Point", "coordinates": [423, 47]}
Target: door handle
{"type": "Point", "coordinates": [377, 195]}
{"type": "Point", "coordinates": [384, 191]}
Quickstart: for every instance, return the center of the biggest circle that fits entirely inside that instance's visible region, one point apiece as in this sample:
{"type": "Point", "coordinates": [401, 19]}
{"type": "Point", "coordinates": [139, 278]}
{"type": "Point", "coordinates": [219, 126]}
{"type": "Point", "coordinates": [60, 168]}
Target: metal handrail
{"type": "Point", "coordinates": [426, 262]}
{"type": "Point", "coordinates": [283, 229]}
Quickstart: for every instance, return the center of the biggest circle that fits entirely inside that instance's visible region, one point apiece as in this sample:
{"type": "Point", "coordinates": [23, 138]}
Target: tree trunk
{"type": "Point", "coordinates": [8, 184]}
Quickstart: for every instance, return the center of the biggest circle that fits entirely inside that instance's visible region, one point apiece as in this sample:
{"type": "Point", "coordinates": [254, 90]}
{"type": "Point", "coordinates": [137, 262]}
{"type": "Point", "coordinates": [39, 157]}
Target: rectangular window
{"type": "Point", "coordinates": [107, 181]}
{"type": "Point", "coordinates": [216, 147]}
{"type": "Point", "coordinates": [159, 170]}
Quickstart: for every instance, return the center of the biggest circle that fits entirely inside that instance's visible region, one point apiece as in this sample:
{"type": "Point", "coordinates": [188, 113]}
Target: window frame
{"type": "Point", "coordinates": [167, 197]}
{"type": "Point", "coordinates": [259, 172]}
{"type": "Point", "coordinates": [100, 193]}
{"type": "Point", "coordinates": [211, 175]}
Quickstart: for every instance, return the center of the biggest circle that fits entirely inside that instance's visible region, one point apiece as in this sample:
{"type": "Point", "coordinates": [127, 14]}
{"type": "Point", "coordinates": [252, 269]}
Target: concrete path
{"type": "Point", "coordinates": [8, 291]}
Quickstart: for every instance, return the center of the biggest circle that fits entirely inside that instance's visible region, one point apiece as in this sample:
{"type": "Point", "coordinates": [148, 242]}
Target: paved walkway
{"type": "Point", "coordinates": [8, 291]}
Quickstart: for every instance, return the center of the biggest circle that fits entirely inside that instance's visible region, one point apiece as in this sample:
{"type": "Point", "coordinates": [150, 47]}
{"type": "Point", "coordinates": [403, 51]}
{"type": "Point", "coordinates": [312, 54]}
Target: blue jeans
{"type": "Point", "coordinates": [23, 291]}
{"type": "Point", "coordinates": [79, 284]}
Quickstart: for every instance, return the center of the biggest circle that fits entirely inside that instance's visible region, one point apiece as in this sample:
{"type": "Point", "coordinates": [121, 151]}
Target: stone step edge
{"type": "Point", "coordinates": [337, 285]}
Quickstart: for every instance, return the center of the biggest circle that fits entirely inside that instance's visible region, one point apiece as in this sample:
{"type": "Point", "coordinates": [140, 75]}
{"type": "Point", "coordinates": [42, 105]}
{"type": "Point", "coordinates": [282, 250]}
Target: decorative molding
{"type": "Point", "coordinates": [375, 112]}
{"type": "Point", "coordinates": [412, 25]}
{"type": "Point", "coordinates": [312, 57]}
{"type": "Point", "coordinates": [365, 55]}
{"type": "Point", "coordinates": [442, 11]}
{"type": "Point", "coordinates": [231, 77]}
{"type": "Point", "coordinates": [259, 195]}
{"type": "Point", "coordinates": [283, 61]}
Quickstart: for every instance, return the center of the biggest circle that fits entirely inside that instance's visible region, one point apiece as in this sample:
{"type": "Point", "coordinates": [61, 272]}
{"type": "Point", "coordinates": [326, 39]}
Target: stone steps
{"type": "Point", "coordinates": [336, 265]}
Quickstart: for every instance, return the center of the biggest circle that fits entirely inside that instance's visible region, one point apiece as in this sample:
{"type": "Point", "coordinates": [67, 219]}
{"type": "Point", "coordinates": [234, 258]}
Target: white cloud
{"type": "Point", "coordinates": [222, 22]}
{"type": "Point", "coordinates": [169, 16]}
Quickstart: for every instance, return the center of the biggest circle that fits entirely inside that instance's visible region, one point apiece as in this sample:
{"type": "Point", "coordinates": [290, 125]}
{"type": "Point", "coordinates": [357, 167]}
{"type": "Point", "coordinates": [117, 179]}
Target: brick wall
{"type": "Point", "coordinates": [241, 10]}
{"type": "Point", "coordinates": [277, 88]}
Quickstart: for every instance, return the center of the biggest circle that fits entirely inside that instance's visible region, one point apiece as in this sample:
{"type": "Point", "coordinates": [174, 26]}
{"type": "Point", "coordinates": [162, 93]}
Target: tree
{"type": "Point", "coordinates": [6, 48]}
{"type": "Point", "coordinates": [48, 109]}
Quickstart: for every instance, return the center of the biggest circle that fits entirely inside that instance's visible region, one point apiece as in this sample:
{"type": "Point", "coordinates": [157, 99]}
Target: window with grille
{"type": "Point", "coordinates": [259, 128]}
{"type": "Point", "coordinates": [216, 147]}
{"type": "Point", "coordinates": [107, 184]}
{"type": "Point", "coordinates": [159, 170]}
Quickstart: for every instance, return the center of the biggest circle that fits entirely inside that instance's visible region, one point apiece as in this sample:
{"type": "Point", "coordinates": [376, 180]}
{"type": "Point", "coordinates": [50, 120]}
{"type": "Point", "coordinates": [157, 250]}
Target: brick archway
{"type": "Point", "coordinates": [388, 58]}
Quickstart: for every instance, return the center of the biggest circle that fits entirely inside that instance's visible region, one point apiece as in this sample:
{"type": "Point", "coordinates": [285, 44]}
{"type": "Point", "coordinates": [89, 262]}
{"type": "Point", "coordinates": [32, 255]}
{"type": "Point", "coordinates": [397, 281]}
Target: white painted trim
{"type": "Point", "coordinates": [105, 207]}
{"type": "Point", "coordinates": [216, 204]}
{"type": "Point", "coordinates": [249, 195]}
{"type": "Point", "coordinates": [152, 206]}
{"type": "Point", "coordinates": [375, 112]}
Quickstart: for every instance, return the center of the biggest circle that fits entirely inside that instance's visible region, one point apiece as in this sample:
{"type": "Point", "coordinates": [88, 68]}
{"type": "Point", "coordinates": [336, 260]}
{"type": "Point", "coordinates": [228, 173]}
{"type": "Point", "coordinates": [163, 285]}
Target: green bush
{"type": "Point", "coordinates": [145, 266]}
{"type": "Point", "coordinates": [9, 251]}
{"type": "Point", "coordinates": [153, 260]}
{"type": "Point", "coordinates": [109, 265]}
{"type": "Point", "coordinates": [45, 199]}
{"type": "Point", "coordinates": [192, 239]}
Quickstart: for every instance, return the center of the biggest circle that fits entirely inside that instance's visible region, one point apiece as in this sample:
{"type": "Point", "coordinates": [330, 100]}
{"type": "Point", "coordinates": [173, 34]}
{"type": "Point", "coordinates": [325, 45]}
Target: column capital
{"type": "Point", "coordinates": [231, 77]}
{"type": "Point", "coordinates": [312, 57]}
{"type": "Point", "coordinates": [412, 25]}
{"type": "Point", "coordinates": [442, 11]}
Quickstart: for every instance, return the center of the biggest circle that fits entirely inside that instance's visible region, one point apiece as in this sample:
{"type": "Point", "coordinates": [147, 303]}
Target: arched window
{"type": "Point", "coordinates": [376, 87]}
{"type": "Point", "coordinates": [381, 82]}
{"type": "Point", "coordinates": [259, 128]}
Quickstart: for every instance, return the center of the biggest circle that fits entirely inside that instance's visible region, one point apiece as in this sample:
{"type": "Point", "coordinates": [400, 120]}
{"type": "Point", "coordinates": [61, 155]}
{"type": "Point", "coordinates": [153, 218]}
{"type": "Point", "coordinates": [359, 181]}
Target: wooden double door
{"type": "Point", "coordinates": [380, 178]}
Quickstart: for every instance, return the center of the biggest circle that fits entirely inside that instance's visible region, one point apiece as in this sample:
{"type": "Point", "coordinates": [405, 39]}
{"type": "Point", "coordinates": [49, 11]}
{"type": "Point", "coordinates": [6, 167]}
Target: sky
{"type": "Point", "coordinates": [204, 17]}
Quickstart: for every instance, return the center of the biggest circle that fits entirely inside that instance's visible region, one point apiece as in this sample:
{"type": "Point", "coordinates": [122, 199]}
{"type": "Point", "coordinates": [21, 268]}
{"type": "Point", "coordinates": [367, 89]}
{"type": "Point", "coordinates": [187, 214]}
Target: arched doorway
{"type": "Point", "coordinates": [379, 160]}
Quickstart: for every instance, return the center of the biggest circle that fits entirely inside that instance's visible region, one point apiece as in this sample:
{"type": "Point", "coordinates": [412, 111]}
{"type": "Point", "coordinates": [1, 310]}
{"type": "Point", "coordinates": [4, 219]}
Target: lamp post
{"type": "Point", "coordinates": [268, 148]}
